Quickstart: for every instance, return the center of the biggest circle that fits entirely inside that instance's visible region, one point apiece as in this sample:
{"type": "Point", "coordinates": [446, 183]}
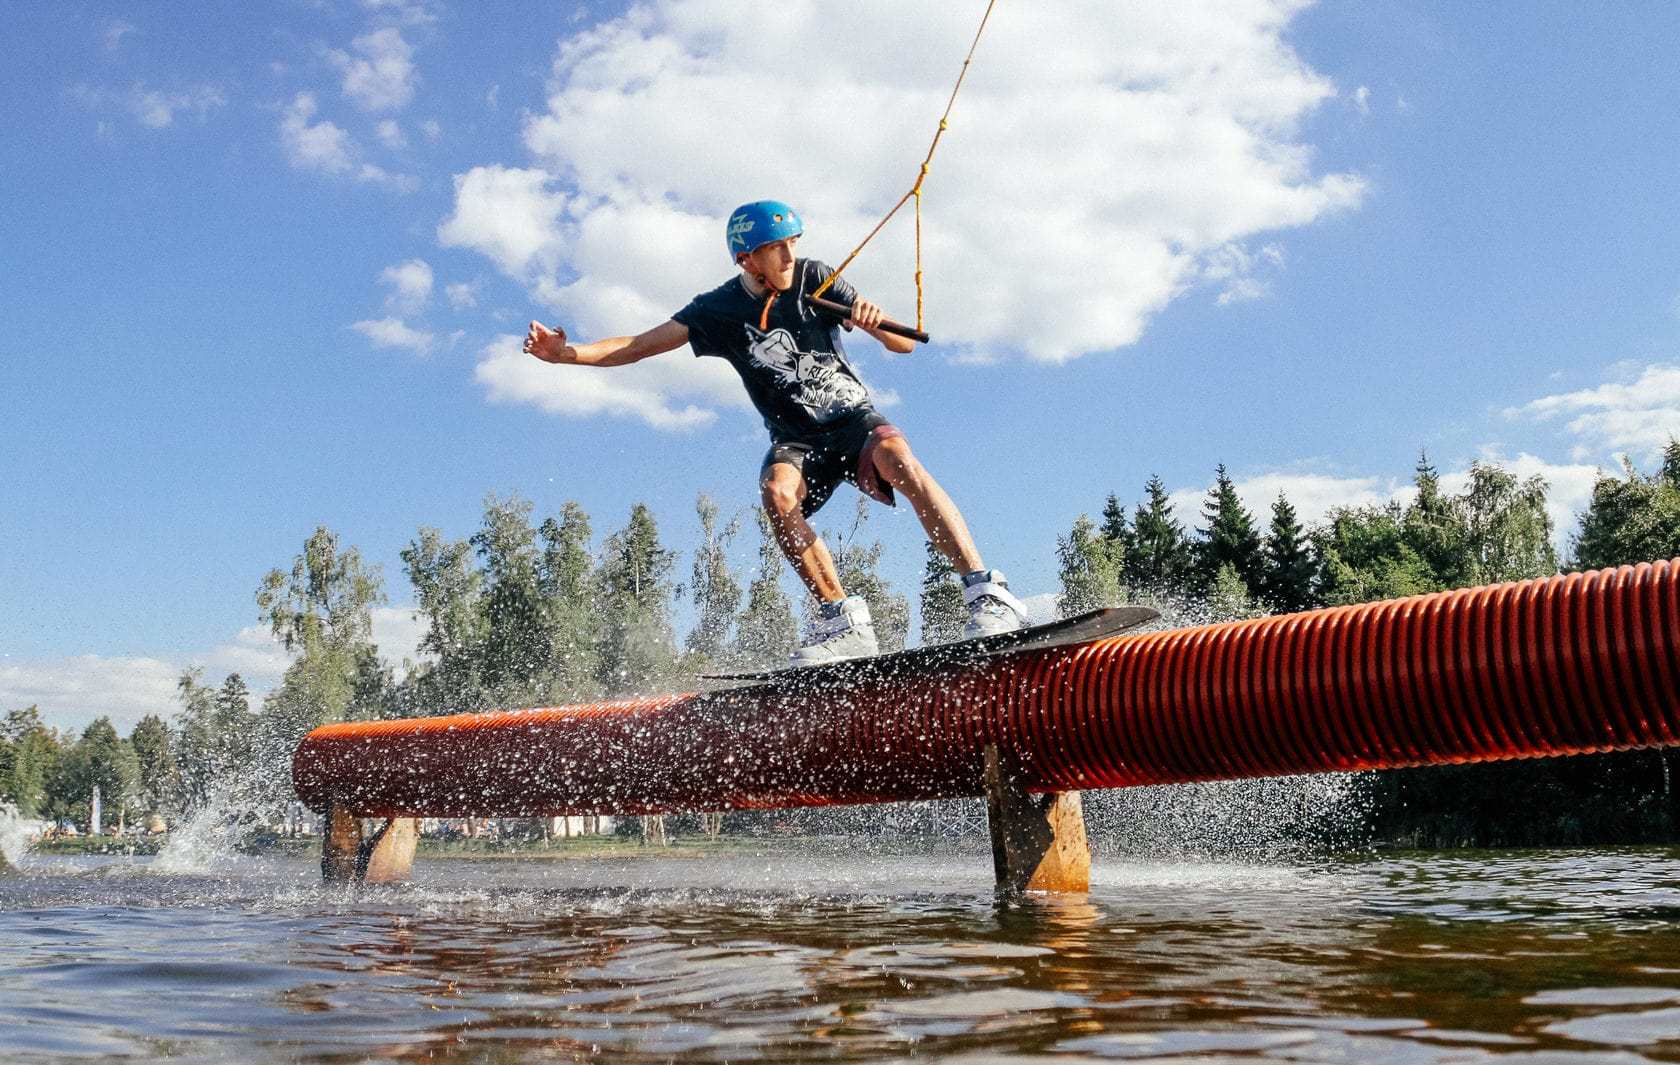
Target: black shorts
{"type": "Point", "coordinates": [843, 453]}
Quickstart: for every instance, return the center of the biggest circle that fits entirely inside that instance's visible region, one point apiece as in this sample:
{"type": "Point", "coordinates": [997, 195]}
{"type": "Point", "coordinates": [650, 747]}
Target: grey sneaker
{"type": "Point", "coordinates": [992, 608]}
{"type": "Point", "coordinates": [849, 633]}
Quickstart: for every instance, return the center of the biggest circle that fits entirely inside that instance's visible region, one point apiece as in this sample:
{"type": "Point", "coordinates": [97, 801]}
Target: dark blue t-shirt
{"type": "Point", "coordinates": [795, 370]}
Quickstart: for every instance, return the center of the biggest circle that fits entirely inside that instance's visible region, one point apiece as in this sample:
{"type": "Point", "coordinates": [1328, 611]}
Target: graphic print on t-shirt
{"type": "Point", "coordinates": [812, 379]}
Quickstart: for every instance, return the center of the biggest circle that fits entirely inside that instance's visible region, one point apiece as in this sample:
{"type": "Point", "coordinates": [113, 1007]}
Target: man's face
{"type": "Point", "coordinates": [772, 263]}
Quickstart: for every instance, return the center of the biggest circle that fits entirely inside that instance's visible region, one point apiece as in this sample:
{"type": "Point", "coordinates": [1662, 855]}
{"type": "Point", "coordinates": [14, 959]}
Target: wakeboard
{"type": "Point", "coordinates": [1067, 632]}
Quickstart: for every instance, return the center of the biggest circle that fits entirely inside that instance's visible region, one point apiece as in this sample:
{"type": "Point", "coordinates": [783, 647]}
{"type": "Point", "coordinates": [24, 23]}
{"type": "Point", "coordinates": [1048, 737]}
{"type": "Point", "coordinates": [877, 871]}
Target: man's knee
{"type": "Point", "coordinates": [899, 467]}
{"type": "Point", "coordinates": [782, 492]}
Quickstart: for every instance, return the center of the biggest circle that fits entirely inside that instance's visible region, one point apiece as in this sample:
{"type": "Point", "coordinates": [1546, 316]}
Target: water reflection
{"type": "Point", "coordinates": [1564, 956]}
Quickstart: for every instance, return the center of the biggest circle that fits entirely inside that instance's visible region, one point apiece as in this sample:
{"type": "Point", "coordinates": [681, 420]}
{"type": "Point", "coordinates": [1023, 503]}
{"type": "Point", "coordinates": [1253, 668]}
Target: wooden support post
{"type": "Point", "coordinates": [386, 857]}
{"type": "Point", "coordinates": [1038, 841]}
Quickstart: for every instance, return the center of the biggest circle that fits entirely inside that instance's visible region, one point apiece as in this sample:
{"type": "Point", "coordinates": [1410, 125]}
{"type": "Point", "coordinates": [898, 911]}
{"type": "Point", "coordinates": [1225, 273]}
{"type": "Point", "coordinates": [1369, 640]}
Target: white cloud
{"type": "Point", "coordinates": [381, 76]}
{"type": "Point", "coordinates": [409, 12]}
{"type": "Point", "coordinates": [1638, 415]}
{"type": "Point", "coordinates": [325, 147]}
{"type": "Point", "coordinates": [666, 391]}
{"type": "Point", "coordinates": [463, 295]}
{"type": "Point", "coordinates": [507, 214]}
{"type": "Point", "coordinates": [115, 32]}
{"type": "Point", "coordinates": [1362, 99]}
{"type": "Point", "coordinates": [71, 692]}
{"type": "Point", "coordinates": [154, 108]}
{"type": "Point", "coordinates": [1315, 495]}
{"type": "Point", "coordinates": [410, 284]}
{"type": "Point", "coordinates": [391, 134]}
{"type": "Point", "coordinates": [1134, 143]}
{"type": "Point", "coordinates": [393, 333]}
{"type": "Point", "coordinates": [74, 690]}
{"type": "Point", "coordinates": [1235, 268]}
{"type": "Point", "coordinates": [432, 129]}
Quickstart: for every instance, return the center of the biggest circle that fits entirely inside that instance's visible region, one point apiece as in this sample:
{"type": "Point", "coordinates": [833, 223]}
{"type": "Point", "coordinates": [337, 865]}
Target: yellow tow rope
{"type": "Point", "coordinates": [915, 192]}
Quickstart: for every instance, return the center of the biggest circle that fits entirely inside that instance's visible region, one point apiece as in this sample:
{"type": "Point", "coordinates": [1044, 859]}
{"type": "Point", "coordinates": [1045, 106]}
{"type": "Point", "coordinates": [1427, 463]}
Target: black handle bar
{"type": "Point", "coordinates": [887, 325]}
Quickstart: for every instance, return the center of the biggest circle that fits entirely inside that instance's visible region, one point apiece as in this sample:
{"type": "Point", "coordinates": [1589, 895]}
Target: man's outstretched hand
{"type": "Point", "coordinates": [547, 344]}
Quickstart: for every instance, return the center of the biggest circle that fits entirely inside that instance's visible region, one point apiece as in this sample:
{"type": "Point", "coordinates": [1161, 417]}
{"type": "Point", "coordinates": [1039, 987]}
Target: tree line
{"type": "Point", "coordinates": [1496, 529]}
{"type": "Point", "coordinates": [533, 611]}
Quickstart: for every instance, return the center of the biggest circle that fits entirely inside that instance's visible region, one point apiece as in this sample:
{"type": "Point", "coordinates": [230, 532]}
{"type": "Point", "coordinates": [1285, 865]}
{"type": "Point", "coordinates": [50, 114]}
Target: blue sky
{"type": "Point", "coordinates": [263, 269]}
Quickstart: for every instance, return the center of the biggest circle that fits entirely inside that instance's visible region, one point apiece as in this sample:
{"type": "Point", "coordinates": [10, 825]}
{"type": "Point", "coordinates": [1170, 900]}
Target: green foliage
{"type": "Point", "coordinates": [714, 588]}
{"type": "Point", "coordinates": [1161, 563]}
{"type": "Point", "coordinates": [766, 633]}
{"type": "Point", "coordinates": [1290, 571]}
{"type": "Point", "coordinates": [448, 590]}
{"type": "Point", "coordinates": [638, 651]}
{"type": "Point", "coordinates": [323, 611]}
{"type": "Point", "coordinates": [158, 781]}
{"type": "Point", "coordinates": [1497, 530]}
{"type": "Point", "coordinates": [943, 614]}
{"type": "Point", "coordinates": [34, 754]}
{"type": "Point", "coordinates": [1632, 518]}
{"type": "Point", "coordinates": [99, 759]}
{"type": "Point", "coordinates": [1228, 540]}
{"type": "Point", "coordinates": [1089, 567]}
{"type": "Point", "coordinates": [1228, 597]}
{"type": "Point", "coordinates": [514, 656]}
{"type": "Point", "coordinates": [568, 585]}
{"type": "Point", "coordinates": [1505, 527]}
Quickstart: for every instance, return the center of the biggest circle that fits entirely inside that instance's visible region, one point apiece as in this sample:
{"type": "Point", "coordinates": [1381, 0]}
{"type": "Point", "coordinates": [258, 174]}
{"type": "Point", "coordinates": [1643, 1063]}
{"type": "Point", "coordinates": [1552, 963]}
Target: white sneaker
{"type": "Point", "coordinates": [992, 608]}
{"type": "Point", "coordinates": [850, 633]}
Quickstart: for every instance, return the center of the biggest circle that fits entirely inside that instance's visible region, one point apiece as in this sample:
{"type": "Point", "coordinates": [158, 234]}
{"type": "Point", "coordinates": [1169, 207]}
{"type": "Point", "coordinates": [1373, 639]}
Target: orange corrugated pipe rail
{"type": "Point", "coordinates": [1565, 665]}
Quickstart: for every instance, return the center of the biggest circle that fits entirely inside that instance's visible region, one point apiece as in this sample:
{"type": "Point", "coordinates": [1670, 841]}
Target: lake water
{"type": "Point", "coordinates": [831, 956]}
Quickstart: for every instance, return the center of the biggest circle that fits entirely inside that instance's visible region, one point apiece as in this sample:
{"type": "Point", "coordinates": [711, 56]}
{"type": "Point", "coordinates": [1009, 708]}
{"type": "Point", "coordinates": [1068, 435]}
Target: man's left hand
{"type": "Point", "coordinates": [866, 314]}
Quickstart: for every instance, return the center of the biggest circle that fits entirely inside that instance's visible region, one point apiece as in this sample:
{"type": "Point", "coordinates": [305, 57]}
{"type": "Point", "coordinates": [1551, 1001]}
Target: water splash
{"type": "Point", "coordinates": [16, 834]}
{"type": "Point", "coordinates": [210, 840]}
{"type": "Point", "coordinates": [1279, 819]}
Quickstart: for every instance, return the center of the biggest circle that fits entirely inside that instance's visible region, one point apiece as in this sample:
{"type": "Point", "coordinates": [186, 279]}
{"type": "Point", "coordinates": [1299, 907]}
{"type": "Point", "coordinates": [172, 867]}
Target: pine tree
{"type": "Point", "coordinates": [1433, 529]}
{"type": "Point", "coordinates": [1089, 569]}
{"type": "Point", "coordinates": [1290, 568]}
{"type": "Point", "coordinates": [638, 652]}
{"type": "Point", "coordinates": [1161, 561]}
{"type": "Point", "coordinates": [716, 591]}
{"type": "Point", "coordinates": [765, 635]}
{"type": "Point", "coordinates": [943, 614]}
{"type": "Point", "coordinates": [1229, 538]}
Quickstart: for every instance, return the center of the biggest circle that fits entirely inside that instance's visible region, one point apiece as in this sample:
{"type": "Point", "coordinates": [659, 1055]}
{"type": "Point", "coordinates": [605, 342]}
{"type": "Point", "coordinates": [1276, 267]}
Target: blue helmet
{"type": "Point", "coordinates": [760, 222]}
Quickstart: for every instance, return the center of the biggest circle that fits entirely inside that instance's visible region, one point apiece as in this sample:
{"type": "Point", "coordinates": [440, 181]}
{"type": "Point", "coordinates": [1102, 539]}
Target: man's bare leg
{"type": "Point", "coordinates": [783, 490]}
{"type": "Point", "coordinates": [940, 517]}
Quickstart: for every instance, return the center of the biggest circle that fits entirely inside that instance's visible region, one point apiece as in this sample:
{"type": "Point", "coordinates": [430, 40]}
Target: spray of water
{"type": "Point", "coordinates": [16, 833]}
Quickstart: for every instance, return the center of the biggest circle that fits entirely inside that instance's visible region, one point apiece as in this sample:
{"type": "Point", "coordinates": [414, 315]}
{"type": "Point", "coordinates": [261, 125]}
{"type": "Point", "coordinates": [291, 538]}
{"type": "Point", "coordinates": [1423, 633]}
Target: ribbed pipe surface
{"type": "Point", "coordinates": [1566, 665]}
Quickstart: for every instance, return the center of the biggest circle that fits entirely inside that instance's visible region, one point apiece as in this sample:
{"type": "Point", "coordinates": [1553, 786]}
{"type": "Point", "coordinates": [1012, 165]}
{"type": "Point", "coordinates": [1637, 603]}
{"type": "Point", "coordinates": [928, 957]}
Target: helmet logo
{"type": "Point", "coordinates": [739, 227]}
